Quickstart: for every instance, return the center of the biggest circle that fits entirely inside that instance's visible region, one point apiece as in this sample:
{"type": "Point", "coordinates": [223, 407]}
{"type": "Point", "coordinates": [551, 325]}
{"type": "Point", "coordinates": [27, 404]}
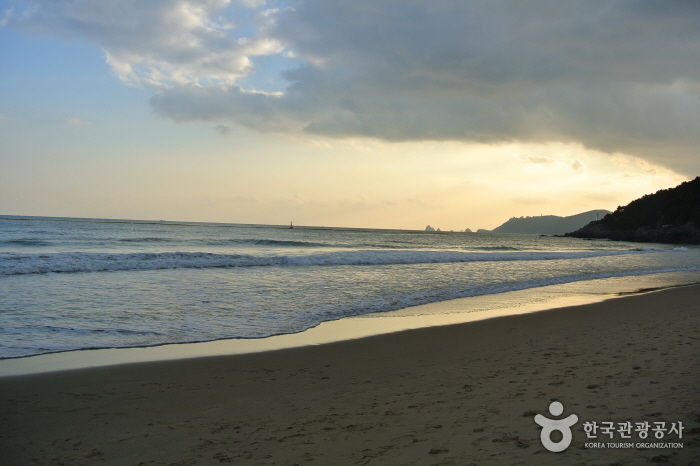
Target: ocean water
{"type": "Point", "coordinates": [68, 284]}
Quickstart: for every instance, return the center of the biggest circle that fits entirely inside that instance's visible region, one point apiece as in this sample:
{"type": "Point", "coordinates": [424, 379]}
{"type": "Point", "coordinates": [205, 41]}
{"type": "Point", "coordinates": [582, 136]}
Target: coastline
{"type": "Point", "coordinates": [449, 312]}
{"type": "Point", "coordinates": [451, 394]}
{"type": "Point", "coordinates": [142, 287]}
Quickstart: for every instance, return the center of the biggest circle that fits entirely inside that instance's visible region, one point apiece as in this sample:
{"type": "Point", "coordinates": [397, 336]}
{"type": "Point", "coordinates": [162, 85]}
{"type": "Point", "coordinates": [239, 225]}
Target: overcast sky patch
{"type": "Point", "coordinates": [616, 76]}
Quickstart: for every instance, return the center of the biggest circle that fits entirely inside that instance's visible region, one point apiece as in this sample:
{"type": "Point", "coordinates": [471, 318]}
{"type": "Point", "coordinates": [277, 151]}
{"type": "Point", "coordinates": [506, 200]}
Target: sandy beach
{"type": "Point", "coordinates": [458, 394]}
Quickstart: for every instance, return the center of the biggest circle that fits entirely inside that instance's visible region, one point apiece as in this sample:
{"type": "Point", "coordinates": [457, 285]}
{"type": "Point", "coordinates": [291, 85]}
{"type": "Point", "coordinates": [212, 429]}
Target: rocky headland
{"type": "Point", "coordinates": [667, 216]}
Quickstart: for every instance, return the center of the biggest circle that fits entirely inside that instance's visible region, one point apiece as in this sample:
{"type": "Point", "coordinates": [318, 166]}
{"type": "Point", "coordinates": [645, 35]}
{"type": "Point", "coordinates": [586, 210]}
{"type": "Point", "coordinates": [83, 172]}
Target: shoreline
{"type": "Point", "coordinates": [449, 312]}
{"type": "Point", "coordinates": [453, 394]}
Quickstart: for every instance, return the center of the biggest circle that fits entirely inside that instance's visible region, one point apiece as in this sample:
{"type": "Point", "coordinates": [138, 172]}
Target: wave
{"type": "Point", "coordinates": [86, 331]}
{"type": "Point", "coordinates": [268, 242]}
{"type": "Point", "coordinates": [21, 264]}
{"type": "Point", "coordinates": [496, 248]}
{"type": "Point", "coordinates": [224, 242]}
{"type": "Point", "coordinates": [149, 239]}
{"type": "Point", "coordinates": [25, 242]}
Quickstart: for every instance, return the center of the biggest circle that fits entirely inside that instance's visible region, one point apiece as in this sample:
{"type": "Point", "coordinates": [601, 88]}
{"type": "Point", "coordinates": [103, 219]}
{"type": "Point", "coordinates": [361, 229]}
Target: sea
{"type": "Point", "coordinates": [73, 283]}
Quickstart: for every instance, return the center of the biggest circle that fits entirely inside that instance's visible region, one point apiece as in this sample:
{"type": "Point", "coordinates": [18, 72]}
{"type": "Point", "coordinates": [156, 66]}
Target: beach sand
{"type": "Point", "coordinates": [458, 394]}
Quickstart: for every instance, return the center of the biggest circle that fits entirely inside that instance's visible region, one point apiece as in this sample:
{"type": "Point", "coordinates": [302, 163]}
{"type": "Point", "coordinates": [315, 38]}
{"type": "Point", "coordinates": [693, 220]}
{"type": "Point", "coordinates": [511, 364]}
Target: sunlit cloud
{"type": "Point", "coordinates": [536, 159]}
{"type": "Point", "coordinates": [578, 166]}
{"type": "Point", "coordinates": [160, 43]}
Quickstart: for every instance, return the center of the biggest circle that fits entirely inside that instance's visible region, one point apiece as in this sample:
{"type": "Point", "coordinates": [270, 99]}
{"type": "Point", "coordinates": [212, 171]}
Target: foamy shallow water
{"type": "Point", "coordinates": [435, 314]}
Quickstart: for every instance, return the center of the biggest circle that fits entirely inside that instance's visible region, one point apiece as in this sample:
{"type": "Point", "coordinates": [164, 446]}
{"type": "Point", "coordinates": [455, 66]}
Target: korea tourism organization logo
{"type": "Point", "coordinates": [607, 434]}
{"type": "Point", "coordinates": [549, 426]}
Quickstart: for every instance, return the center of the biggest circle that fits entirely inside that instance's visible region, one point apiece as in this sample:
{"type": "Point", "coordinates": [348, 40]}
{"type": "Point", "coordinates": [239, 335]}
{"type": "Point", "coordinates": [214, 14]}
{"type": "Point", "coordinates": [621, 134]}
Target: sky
{"type": "Point", "coordinates": [362, 113]}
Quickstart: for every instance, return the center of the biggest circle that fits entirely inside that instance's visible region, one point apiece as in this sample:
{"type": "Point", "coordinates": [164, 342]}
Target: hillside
{"type": "Point", "coordinates": [667, 216]}
{"type": "Point", "coordinates": [548, 224]}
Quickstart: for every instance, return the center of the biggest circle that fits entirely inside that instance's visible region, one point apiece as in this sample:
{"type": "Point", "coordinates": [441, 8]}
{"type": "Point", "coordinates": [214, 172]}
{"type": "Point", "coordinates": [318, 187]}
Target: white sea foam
{"type": "Point", "coordinates": [20, 264]}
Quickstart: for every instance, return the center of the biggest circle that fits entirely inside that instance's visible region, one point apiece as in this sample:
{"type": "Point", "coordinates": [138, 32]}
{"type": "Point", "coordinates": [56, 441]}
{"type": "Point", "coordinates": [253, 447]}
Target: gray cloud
{"type": "Point", "coordinates": [613, 75]}
{"type": "Point", "coordinates": [223, 130]}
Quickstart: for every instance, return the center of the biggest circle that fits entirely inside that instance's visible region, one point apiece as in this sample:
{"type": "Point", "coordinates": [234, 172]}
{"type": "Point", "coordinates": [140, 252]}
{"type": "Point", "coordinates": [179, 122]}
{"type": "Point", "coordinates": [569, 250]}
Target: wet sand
{"type": "Point", "coordinates": [458, 394]}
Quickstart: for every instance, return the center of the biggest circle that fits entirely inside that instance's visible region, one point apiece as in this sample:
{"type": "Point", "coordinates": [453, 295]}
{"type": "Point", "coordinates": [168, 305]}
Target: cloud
{"type": "Point", "coordinates": [75, 121]}
{"type": "Point", "coordinates": [538, 159]}
{"type": "Point", "coordinates": [158, 43]}
{"type": "Point", "coordinates": [223, 130]}
{"type": "Point", "coordinates": [7, 15]}
{"type": "Point", "coordinates": [578, 166]}
{"type": "Point", "coordinates": [620, 77]}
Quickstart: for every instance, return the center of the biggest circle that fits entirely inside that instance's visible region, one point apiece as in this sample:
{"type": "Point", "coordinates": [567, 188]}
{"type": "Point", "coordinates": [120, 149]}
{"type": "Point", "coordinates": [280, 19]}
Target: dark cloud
{"type": "Point", "coordinates": [612, 75]}
{"type": "Point", "coordinates": [615, 76]}
{"type": "Point", "coordinates": [257, 110]}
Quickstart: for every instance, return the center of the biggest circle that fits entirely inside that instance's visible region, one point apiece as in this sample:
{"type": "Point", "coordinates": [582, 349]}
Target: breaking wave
{"type": "Point", "coordinates": [20, 264]}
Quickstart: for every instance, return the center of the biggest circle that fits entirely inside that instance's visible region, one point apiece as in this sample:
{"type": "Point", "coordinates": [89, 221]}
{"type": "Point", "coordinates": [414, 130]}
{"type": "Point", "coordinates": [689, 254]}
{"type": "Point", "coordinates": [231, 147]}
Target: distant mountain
{"type": "Point", "coordinates": [667, 216]}
{"type": "Point", "coordinates": [548, 224]}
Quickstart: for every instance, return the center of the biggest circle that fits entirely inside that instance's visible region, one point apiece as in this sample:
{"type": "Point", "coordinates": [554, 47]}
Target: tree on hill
{"type": "Point", "coordinates": [675, 206]}
{"type": "Point", "coordinates": [667, 216]}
